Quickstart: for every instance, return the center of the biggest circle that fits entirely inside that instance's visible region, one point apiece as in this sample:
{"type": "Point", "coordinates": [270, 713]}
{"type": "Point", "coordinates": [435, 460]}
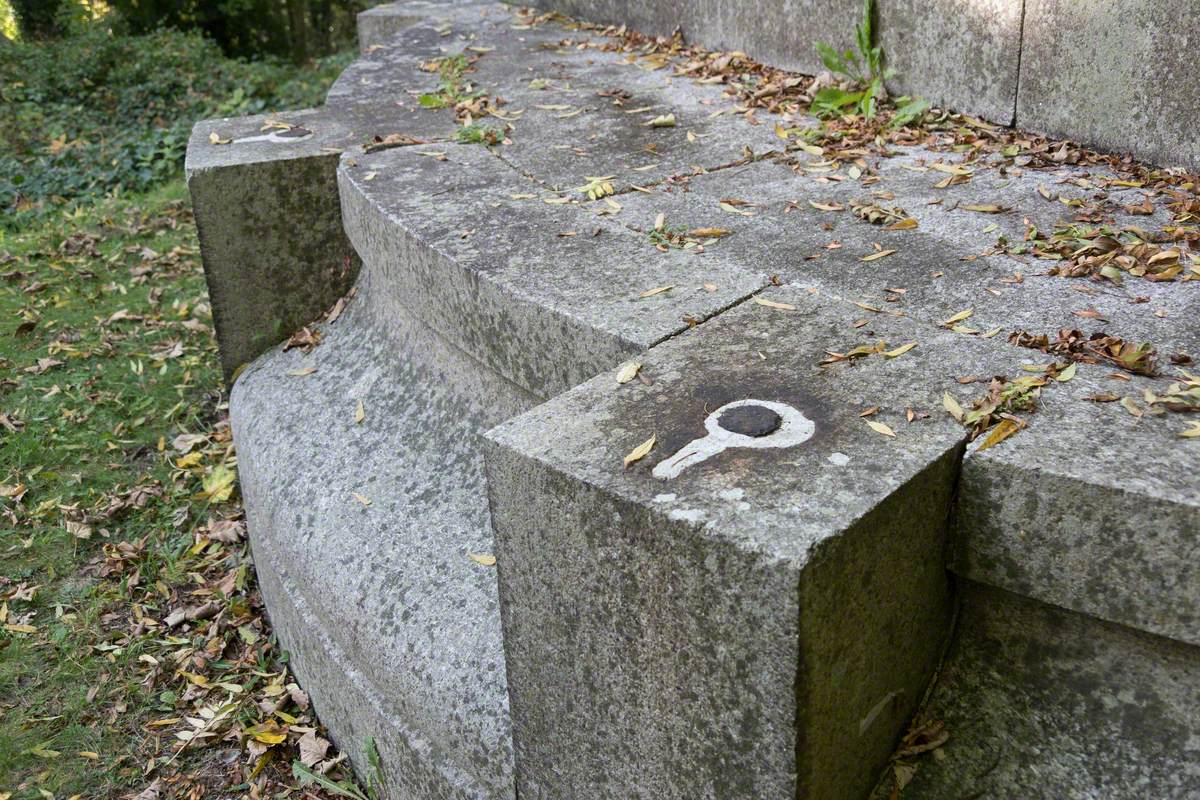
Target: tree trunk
{"type": "Point", "coordinates": [298, 25]}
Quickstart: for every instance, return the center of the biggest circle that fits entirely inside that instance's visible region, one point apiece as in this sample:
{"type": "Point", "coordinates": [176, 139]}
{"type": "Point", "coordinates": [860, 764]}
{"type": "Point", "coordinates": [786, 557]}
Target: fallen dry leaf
{"type": "Point", "coordinates": [879, 427]}
{"type": "Point", "coordinates": [628, 371]}
{"type": "Point", "coordinates": [640, 452]}
{"type": "Point", "coordinates": [762, 301]}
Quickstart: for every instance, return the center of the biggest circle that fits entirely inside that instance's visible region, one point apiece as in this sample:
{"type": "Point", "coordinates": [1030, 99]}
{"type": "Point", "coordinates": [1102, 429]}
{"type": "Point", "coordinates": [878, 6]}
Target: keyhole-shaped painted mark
{"type": "Point", "coordinates": [742, 423]}
{"type": "Point", "coordinates": [292, 134]}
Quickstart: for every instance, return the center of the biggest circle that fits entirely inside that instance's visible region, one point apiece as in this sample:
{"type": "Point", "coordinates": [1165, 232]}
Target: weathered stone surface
{"type": "Point", "coordinates": [275, 256]}
{"type": "Point", "coordinates": [1120, 75]}
{"type": "Point", "coordinates": [955, 54]}
{"type": "Point", "coordinates": [962, 55]}
{"type": "Point", "coordinates": [1105, 524]}
{"type": "Point", "coordinates": [363, 532]}
{"type": "Point", "coordinates": [1095, 73]}
{"type": "Point", "coordinates": [760, 625]}
{"type": "Point", "coordinates": [377, 26]}
{"type": "Point", "coordinates": [946, 265]}
{"type": "Point", "coordinates": [497, 276]}
{"type": "Point", "coordinates": [1043, 703]}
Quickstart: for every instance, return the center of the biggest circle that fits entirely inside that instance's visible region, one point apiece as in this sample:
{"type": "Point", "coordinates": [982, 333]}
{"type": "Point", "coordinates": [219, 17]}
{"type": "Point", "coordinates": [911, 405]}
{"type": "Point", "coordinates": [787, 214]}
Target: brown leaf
{"type": "Point", "coordinates": [312, 748]}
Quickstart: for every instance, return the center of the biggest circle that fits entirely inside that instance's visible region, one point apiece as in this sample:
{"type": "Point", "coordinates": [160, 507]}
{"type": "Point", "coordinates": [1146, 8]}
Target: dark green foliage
{"type": "Point", "coordinates": [101, 113]}
{"type": "Point", "coordinates": [38, 19]}
{"type": "Point", "coordinates": [298, 29]}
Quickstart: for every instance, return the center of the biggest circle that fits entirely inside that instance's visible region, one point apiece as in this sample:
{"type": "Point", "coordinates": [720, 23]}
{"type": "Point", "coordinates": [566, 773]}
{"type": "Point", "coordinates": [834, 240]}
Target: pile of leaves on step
{"type": "Point", "coordinates": [1167, 198]}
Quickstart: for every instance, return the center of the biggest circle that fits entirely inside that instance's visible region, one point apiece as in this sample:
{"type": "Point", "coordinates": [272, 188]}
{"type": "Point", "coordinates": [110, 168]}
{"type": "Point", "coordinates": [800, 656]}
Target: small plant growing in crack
{"type": "Point", "coordinates": [452, 89]}
{"type": "Point", "coordinates": [862, 66]}
{"type": "Point", "coordinates": [476, 133]}
{"type": "Point", "coordinates": [665, 237]}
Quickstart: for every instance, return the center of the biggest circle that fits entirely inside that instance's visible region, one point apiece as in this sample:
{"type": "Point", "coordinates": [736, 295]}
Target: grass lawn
{"type": "Point", "coordinates": [134, 657]}
{"type": "Point", "coordinates": [129, 621]}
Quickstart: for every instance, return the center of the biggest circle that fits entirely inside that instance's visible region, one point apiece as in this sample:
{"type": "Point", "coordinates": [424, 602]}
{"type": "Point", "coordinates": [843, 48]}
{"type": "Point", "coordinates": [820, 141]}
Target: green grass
{"type": "Point", "coordinates": [108, 521]}
{"type": "Point", "coordinates": [91, 428]}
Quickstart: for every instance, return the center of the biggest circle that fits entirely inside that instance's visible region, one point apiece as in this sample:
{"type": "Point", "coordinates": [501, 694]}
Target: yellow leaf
{"type": "Point", "coordinates": [903, 225]}
{"type": "Point", "coordinates": [1005, 429]}
{"type": "Point", "coordinates": [985, 209]}
{"type": "Point", "coordinates": [959, 317]}
{"type": "Point", "coordinates": [879, 427]}
{"type": "Point", "coordinates": [901, 350]}
{"type": "Point", "coordinates": [486, 559]}
{"type": "Point", "coordinates": [1187, 433]}
{"type": "Point", "coordinates": [657, 290]}
{"type": "Point", "coordinates": [215, 138]}
{"type": "Point", "coordinates": [360, 413]}
{"type": "Point", "coordinates": [88, 754]}
{"type": "Point", "coordinates": [708, 233]}
{"type": "Point", "coordinates": [192, 677]}
{"type": "Point", "coordinates": [218, 484]}
{"type": "Point", "coordinates": [827, 206]}
{"type": "Point", "coordinates": [268, 733]}
{"type": "Point", "coordinates": [877, 256]}
{"type": "Point", "coordinates": [628, 371]}
{"type": "Point", "coordinates": [762, 301]}
{"type": "Point", "coordinates": [1129, 405]}
{"type": "Point", "coordinates": [300, 373]}
{"type": "Point", "coordinates": [952, 406]}
{"type": "Point", "coordinates": [190, 460]}
{"type": "Point", "coordinates": [640, 452]}
{"type": "Point", "coordinates": [1067, 373]}
{"type": "Point", "coordinates": [664, 121]}
{"type": "Point", "coordinates": [20, 629]}
{"type": "Point", "coordinates": [951, 169]}
{"type": "Point", "coordinates": [362, 498]}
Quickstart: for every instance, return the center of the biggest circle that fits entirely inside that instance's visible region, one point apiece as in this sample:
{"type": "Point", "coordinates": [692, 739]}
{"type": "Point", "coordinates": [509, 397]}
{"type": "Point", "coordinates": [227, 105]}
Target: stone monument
{"type": "Point", "coordinates": [595, 444]}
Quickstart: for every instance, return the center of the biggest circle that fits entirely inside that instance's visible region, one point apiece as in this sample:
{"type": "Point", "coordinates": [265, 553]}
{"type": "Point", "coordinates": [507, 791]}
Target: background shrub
{"type": "Point", "coordinates": [104, 111]}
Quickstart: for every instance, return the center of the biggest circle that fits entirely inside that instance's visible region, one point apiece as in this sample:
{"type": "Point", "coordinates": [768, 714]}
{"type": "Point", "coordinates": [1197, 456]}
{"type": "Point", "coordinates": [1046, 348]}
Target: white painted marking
{"type": "Point", "coordinates": [794, 429]}
{"type": "Point", "coordinates": [274, 138]}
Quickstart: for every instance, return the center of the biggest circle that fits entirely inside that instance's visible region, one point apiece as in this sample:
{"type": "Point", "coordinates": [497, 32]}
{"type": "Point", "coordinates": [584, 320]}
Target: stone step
{"type": "Point", "coordinates": [1045, 703]}
{"type": "Point", "coordinates": [363, 533]}
{"type": "Point", "coordinates": [1091, 509]}
{"type": "Point", "coordinates": [761, 623]}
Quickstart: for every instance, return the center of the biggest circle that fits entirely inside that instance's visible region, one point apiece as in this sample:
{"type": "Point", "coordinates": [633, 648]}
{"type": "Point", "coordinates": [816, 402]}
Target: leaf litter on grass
{"type": "Point", "coordinates": [135, 659]}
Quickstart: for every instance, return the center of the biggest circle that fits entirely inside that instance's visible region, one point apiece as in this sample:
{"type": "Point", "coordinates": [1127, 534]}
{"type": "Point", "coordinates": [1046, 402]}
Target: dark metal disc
{"type": "Point", "coordinates": [750, 420]}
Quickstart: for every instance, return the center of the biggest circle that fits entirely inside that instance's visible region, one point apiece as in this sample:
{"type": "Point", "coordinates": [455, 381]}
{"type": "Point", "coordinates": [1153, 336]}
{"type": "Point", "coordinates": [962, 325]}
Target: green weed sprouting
{"type": "Point", "coordinates": [863, 66]}
{"type": "Point", "coordinates": [479, 134]}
